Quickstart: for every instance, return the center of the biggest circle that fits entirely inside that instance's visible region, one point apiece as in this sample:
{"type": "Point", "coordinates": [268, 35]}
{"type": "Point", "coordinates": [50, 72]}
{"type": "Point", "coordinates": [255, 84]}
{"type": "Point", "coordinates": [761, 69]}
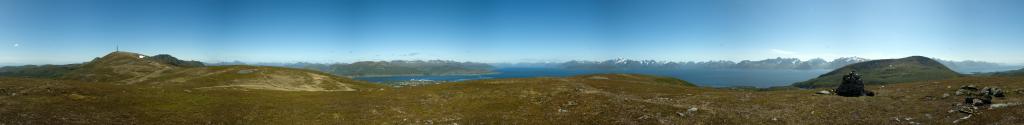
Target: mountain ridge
{"type": "Point", "coordinates": [167, 71]}
{"type": "Point", "coordinates": [776, 63]}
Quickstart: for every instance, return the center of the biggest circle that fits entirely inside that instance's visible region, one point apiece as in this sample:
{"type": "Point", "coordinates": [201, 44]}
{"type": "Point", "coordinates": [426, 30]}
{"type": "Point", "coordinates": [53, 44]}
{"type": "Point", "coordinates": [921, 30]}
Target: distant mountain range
{"type": "Point", "coordinates": [974, 67]}
{"type": "Point", "coordinates": [966, 67]}
{"type": "Point", "coordinates": [388, 68]}
{"type": "Point", "coordinates": [777, 63]}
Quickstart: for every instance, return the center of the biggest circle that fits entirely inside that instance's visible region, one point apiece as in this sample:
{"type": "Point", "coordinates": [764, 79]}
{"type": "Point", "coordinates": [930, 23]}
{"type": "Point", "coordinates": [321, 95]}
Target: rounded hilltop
{"type": "Point", "coordinates": [886, 71]}
{"type": "Point", "coordinates": [167, 71]}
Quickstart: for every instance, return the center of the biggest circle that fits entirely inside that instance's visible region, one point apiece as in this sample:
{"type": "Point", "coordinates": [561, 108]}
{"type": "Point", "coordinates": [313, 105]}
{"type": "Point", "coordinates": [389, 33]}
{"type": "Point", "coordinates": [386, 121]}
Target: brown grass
{"type": "Point", "coordinates": [613, 99]}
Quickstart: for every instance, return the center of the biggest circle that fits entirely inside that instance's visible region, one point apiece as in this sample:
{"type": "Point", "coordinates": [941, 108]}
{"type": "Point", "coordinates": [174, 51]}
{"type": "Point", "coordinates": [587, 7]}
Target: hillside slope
{"type": "Point", "coordinates": [255, 77]}
{"type": "Point", "coordinates": [886, 71]}
{"type": "Point", "coordinates": [167, 71]}
{"type": "Point", "coordinates": [116, 67]}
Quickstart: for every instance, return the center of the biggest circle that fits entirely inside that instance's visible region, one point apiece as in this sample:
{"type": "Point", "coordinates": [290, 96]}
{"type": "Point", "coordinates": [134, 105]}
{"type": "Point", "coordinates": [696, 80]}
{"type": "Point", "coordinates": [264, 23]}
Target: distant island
{"type": "Point", "coordinates": [388, 68]}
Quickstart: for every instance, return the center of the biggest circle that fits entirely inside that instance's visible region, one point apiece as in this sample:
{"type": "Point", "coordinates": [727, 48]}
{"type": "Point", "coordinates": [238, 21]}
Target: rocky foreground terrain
{"type": "Point", "coordinates": [587, 99]}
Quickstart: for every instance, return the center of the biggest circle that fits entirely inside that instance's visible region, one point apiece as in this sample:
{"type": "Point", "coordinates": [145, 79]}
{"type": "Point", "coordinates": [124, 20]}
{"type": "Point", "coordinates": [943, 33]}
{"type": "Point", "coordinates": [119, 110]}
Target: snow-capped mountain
{"type": "Point", "coordinates": [776, 63]}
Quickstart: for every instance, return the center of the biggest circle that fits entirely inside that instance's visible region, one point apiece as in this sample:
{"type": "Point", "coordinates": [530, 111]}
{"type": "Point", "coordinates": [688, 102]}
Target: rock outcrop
{"type": "Point", "coordinates": [853, 86]}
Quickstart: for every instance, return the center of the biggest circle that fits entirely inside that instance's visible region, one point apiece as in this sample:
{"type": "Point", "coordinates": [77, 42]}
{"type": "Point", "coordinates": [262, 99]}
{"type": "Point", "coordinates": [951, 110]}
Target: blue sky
{"type": "Point", "coordinates": [71, 31]}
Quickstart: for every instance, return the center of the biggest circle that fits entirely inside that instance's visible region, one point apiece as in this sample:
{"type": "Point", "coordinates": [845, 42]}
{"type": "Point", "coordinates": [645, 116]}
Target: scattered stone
{"type": "Point", "coordinates": [996, 106]}
{"type": "Point", "coordinates": [824, 92]}
{"type": "Point", "coordinates": [961, 119]}
{"type": "Point", "coordinates": [978, 101]}
{"type": "Point", "coordinates": [644, 117]}
{"type": "Point", "coordinates": [974, 98]}
{"type": "Point", "coordinates": [963, 108]}
{"type": "Point", "coordinates": [688, 112]}
{"type": "Point", "coordinates": [963, 91]}
{"type": "Point", "coordinates": [563, 110]}
{"type": "Point", "coordinates": [969, 87]}
{"type": "Point", "coordinates": [983, 97]}
{"type": "Point", "coordinates": [77, 97]}
{"type": "Point", "coordinates": [907, 120]}
{"type": "Point", "coordinates": [1002, 105]}
{"type": "Point", "coordinates": [993, 91]}
{"type": "Point", "coordinates": [775, 119]}
{"type": "Point", "coordinates": [945, 95]}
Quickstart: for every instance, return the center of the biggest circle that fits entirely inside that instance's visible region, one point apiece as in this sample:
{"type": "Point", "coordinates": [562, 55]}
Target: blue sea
{"type": "Point", "coordinates": [702, 77]}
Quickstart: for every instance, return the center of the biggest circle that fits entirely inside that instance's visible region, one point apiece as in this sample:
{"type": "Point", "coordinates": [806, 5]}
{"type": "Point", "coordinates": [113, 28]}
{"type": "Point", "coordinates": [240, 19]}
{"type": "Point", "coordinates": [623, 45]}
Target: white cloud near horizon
{"type": "Point", "coordinates": [783, 52]}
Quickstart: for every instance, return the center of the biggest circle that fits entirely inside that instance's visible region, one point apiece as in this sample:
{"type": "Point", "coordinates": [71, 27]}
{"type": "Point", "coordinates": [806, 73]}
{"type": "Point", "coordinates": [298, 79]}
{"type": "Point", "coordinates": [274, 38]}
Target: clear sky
{"type": "Point", "coordinates": [71, 31]}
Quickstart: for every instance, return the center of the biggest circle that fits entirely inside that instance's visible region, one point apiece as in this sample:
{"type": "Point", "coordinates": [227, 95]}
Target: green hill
{"type": "Point", "coordinates": [886, 71]}
{"type": "Point", "coordinates": [163, 70]}
{"type": "Point", "coordinates": [116, 67]}
{"type": "Point", "coordinates": [37, 71]}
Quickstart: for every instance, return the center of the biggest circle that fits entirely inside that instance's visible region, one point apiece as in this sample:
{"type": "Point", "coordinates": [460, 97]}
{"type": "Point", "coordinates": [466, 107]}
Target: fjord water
{"type": "Point", "coordinates": [702, 77]}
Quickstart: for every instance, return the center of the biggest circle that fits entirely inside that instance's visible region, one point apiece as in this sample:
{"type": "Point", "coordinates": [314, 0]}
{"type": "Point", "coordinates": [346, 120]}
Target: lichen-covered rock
{"type": "Point", "coordinates": [993, 91]}
{"type": "Point", "coordinates": [962, 108]}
